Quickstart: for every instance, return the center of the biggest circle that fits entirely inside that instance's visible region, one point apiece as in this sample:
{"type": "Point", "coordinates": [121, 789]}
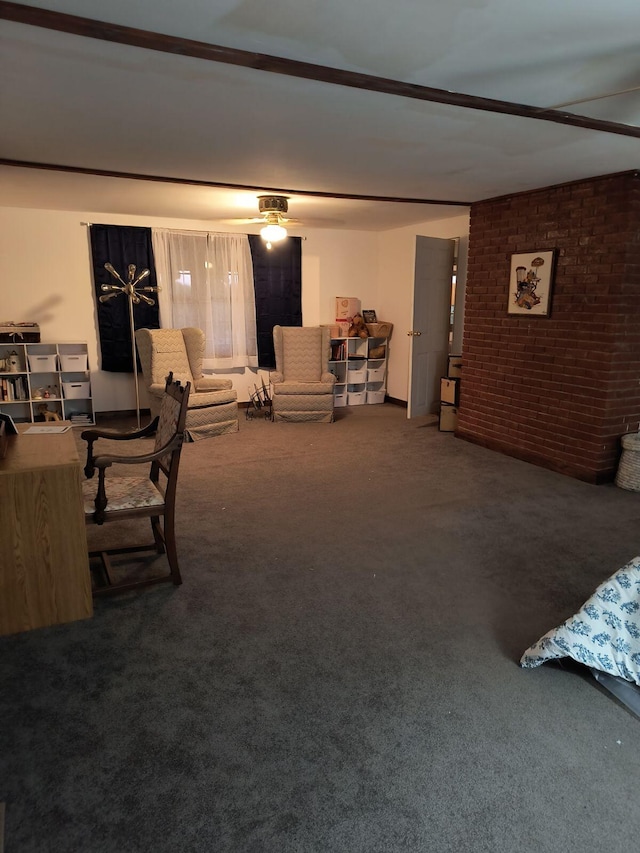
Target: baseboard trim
{"type": "Point", "coordinates": [599, 478]}
{"type": "Point", "coordinates": [122, 413]}
{"type": "Point", "coordinates": [396, 402]}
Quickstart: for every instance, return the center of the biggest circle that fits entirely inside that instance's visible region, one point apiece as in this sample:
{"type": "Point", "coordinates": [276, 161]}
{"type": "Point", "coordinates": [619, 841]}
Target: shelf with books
{"type": "Point", "coordinates": [46, 381]}
{"type": "Point", "coordinates": [360, 368]}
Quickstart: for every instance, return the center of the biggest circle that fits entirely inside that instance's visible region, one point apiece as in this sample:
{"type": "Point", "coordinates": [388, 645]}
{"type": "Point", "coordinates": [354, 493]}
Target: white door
{"type": "Point", "coordinates": [430, 332]}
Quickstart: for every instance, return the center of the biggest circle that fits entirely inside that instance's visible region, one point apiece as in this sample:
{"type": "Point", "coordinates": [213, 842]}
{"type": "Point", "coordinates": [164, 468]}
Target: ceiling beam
{"type": "Point", "coordinates": [194, 182]}
{"type": "Point", "coordinates": [90, 28]}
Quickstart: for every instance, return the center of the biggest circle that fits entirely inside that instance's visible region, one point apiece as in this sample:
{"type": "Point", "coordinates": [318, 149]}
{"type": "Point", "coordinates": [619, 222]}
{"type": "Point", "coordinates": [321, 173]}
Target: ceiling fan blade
{"type": "Point", "coordinates": [254, 221]}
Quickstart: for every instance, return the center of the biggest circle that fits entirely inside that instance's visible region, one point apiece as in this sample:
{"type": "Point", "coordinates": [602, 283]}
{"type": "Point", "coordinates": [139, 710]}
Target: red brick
{"type": "Point", "coordinates": [561, 389]}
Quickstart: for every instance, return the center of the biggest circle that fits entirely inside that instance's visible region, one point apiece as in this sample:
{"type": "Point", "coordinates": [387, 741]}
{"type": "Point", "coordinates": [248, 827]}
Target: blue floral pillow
{"type": "Point", "coordinates": [604, 633]}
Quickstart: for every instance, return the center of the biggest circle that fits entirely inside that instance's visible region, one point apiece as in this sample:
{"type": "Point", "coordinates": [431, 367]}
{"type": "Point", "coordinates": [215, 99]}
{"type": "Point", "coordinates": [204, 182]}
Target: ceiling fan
{"type": "Point", "coordinates": [273, 214]}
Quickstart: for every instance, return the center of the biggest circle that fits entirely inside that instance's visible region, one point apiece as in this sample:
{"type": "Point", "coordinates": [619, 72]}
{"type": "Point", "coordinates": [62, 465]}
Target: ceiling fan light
{"type": "Point", "coordinates": [273, 233]}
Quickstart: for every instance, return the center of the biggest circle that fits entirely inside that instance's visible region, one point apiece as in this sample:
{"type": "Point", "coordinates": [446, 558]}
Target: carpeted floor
{"type": "Point", "coordinates": [339, 671]}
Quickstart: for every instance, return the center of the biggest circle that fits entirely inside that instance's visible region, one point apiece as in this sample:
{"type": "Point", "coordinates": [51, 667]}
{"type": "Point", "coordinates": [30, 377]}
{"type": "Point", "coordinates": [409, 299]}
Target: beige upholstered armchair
{"type": "Point", "coordinates": [213, 406]}
{"type": "Point", "coordinates": [301, 385]}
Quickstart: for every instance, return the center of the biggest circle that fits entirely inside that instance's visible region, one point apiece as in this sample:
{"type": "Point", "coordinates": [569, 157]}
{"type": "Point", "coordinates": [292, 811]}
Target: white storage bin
{"type": "Point", "coordinates": [375, 396]}
{"type": "Point", "coordinates": [375, 374]}
{"type": "Point", "coordinates": [340, 400]}
{"type": "Point", "coordinates": [356, 398]}
{"type": "Point", "coordinates": [356, 373]}
{"type": "Point", "coordinates": [76, 390]}
{"type": "Point", "coordinates": [42, 363]}
{"type": "Point", "coordinates": [76, 362]}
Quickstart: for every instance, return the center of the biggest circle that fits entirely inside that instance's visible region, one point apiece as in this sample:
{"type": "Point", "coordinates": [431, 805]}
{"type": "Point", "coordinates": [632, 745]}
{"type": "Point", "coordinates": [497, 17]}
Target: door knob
{"type": "Point", "coordinates": [414, 334]}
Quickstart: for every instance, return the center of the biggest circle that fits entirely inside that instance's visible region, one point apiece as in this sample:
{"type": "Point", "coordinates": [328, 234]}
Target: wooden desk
{"type": "Point", "coordinates": [44, 565]}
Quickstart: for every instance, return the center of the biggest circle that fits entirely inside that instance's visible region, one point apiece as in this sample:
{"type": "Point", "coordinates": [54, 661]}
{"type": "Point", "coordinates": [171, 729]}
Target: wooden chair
{"type": "Point", "coordinates": [152, 496]}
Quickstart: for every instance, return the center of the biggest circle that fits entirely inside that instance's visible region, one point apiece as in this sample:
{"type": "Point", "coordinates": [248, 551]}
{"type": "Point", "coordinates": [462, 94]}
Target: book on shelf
{"type": "Point", "coordinates": [338, 351]}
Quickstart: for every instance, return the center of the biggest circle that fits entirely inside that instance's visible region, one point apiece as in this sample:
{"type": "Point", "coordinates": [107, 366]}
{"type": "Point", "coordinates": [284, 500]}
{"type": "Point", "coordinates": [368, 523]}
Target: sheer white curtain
{"type": "Point", "coordinates": [207, 281]}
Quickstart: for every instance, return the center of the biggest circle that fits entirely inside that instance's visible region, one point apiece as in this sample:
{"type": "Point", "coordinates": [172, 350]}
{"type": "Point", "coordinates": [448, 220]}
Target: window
{"type": "Point", "coordinates": [207, 282]}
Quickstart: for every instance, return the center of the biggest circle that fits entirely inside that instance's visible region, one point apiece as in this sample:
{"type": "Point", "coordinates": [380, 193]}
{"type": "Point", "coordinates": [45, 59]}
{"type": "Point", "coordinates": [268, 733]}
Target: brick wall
{"type": "Point", "coordinates": [558, 391]}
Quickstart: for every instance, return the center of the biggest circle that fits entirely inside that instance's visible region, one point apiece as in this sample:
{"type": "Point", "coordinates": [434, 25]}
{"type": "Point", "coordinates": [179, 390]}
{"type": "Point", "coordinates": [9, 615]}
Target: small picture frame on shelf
{"type": "Point", "coordinates": [9, 425]}
{"type": "Point", "coordinates": [369, 316]}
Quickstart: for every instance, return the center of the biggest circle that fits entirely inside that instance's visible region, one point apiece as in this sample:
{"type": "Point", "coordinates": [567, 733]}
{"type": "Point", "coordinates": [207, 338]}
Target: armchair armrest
{"type": "Point", "coordinates": [212, 383]}
{"type": "Point", "coordinates": [328, 377]}
{"type": "Point", "coordinates": [275, 377]}
{"type": "Point", "coordinates": [156, 388]}
{"type": "Point", "coordinates": [92, 435]}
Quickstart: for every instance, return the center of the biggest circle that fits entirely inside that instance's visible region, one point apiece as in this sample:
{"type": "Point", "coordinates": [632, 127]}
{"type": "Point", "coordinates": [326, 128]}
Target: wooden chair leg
{"type": "Point", "coordinates": [172, 551]}
{"type": "Point", "coordinates": [158, 536]}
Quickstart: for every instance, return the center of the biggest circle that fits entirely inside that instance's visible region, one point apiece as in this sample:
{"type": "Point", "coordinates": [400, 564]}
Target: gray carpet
{"type": "Point", "coordinates": [339, 671]}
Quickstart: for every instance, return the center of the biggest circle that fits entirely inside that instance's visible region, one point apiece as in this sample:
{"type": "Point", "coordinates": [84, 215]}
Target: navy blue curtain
{"type": "Point", "coordinates": [277, 278]}
{"type": "Point", "coordinates": [121, 245]}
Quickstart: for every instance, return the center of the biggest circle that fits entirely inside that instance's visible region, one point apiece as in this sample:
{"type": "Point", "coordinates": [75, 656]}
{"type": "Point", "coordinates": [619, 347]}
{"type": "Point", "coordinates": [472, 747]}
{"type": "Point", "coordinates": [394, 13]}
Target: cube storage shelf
{"type": "Point", "coordinates": [360, 379]}
{"type": "Point", "coordinates": [53, 375]}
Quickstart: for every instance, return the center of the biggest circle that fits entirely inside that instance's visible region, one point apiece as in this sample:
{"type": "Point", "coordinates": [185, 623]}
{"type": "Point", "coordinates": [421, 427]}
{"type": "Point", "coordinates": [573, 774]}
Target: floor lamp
{"type": "Point", "coordinates": [135, 295]}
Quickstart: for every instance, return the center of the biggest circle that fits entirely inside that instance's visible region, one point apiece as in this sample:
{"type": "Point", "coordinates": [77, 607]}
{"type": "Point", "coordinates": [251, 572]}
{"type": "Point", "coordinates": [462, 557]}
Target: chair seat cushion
{"type": "Point", "coordinates": [201, 400]}
{"type": "Point", "coordinates": [122, 493]}
{"type": "Point", "coordinates": [303, 388]}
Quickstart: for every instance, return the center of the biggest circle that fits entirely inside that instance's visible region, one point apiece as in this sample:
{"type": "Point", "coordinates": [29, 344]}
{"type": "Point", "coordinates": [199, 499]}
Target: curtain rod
{"type": "Point", "coordinates": [195, 230]}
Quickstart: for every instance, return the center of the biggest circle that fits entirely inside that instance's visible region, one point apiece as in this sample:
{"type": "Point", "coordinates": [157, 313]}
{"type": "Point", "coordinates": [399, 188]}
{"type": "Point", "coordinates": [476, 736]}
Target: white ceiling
{"type": "Point", "coordinates": [82, 102]}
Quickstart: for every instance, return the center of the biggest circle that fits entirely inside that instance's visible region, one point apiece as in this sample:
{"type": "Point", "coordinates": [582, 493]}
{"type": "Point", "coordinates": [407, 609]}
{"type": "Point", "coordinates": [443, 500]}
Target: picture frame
{"type": "Point", "coordinates": [531, 281]}
{"type": "Point", "coordinates": [9, 424]}
{"type": "Point", "coordinates": [369, 316]}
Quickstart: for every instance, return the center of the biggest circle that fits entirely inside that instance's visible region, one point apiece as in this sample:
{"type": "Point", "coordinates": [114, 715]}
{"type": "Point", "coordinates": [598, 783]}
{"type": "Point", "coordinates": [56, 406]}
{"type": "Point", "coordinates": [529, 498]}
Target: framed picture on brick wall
{"type": "Point", "coordinates": [531, 283]}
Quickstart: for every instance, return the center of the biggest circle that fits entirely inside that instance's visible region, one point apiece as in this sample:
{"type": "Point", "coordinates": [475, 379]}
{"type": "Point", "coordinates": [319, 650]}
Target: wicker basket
{"type": "Point", "coordinates": [379, 330]}
{"type": "Point", "coordinates": [628, 474]}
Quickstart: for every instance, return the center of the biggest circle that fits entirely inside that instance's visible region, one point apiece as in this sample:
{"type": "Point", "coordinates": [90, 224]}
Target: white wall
{"type": "Point", "coordinates": [45, 277]}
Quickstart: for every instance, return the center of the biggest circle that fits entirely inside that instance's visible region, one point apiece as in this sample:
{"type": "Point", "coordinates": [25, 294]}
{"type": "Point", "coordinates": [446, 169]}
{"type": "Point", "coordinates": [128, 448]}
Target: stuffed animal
{"type": "Point", "coordinates": [358, 329]}
{"type": "Point", "coordinates": [46, 414]}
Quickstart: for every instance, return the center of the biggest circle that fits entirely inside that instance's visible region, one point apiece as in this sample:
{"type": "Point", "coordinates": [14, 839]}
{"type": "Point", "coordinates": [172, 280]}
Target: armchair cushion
{"type": "Point", "coordinates": [305, 387]}
{"type": "Point", "coordinates": [169, 354]}
{"type": "Point", "coordinates": [302, 355]}
{"type": "Point", "coordinates": [211, 398]}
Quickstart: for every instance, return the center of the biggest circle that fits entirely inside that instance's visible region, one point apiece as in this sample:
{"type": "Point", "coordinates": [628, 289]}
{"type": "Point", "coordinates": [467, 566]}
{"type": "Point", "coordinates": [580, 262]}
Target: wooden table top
{"type": "Point", "coordinates": [36, 452]}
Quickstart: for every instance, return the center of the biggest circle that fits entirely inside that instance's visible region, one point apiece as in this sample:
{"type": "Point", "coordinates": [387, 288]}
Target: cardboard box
{"type": "Point", "coordinates": [346, 308]}
{"type": "Point", "coordinates": [450, 390]}
{"type": "Point", "coordinates": [454, 365]}
{"type": "Point", "coordinates": [448, 418]}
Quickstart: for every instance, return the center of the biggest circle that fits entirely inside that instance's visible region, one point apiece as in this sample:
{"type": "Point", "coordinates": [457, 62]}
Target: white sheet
{"type": "Point", "coordinates": [604, 633]}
